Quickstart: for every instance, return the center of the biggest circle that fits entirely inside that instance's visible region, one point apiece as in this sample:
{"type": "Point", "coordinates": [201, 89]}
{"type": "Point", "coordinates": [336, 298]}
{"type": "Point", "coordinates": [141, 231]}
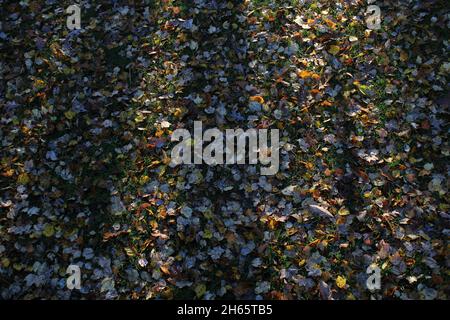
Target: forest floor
{"type": "Point", "coordinates": [87, 117]}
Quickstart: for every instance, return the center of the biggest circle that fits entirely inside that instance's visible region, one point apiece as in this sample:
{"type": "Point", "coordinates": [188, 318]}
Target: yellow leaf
{"type": "Point", "coordinates": [48, 231]}
{"type": "Point", "coordinates": [309, 165]}
{"type": "Point", "coordinates": [334, 50]}
{"type": "Point", "coordinates": [200, 290]}
{"type": "Point", "coordinates": [69, 114]}
{"type": "Point", "coordinates": [129, 252]}
{"type": "Point", "coordinates": [23, 178]}
{"type": "Point", "coordinates": [143, 180]}
{"type": "Point", "coordinates": [343, 211]}
{"type": "Point", "coordinates": [5, 262]}
{"type": "Point", "coordinates": [341, 282]}
{"type": "Point", "coordinates": [178, 113]}
{"type": "Point", "coordinates": [207, 234]}
{"type": "Point", "coordinates": [159, 133]}
{"type": "Point", "coordinates": [272, 224]}
{"type": "Point", "coordinates": [39, 84]}
{"type": "Point", "coordinates": [289, 247]}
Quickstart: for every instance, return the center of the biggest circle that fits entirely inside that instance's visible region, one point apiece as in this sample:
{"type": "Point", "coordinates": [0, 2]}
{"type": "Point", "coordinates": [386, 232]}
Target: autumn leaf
{"type": "Point", "coordinates": [343, 211]}
{"type": "Point", "coordinates": [341, 282]}
{"type": "Point", "coordinates": [403, 56]}
{"type": "Point", "coordinates": [258, 99]}
{"type": "Point", "coordinates": [129, 252]}
{"type": "Point", "coordinates": [176, 10]}
{"type": "Point", "coordinates": [200, 290]}
{"type": "Point", "coordinates": [69, 114]}
{"type": "Point", "coordinates": [48, 230]}
{"type": "Point", "coordinates": [334, 50]}
{"type": "Point", "coordinates": [164, 269]}
{"type": "Point", "coordinates": [305, 74]}
{"type": "Point", "coordinates": [330, 24]}
{"type": "Point", "coordinates": [23, 178]}
{"type": "Point", "coordinates": [326, 103]}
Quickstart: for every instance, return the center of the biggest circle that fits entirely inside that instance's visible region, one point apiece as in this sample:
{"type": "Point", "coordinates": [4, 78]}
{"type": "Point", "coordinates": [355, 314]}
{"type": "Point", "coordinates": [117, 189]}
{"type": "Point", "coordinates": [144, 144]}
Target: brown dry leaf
{"type": "Point", "coordinates": [403, 56]}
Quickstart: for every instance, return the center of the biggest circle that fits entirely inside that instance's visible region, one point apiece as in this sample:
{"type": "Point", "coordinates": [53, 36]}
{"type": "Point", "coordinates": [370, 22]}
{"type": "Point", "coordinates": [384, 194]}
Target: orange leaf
{"type": "Point", "coordinates": [330, 23]}
{"type": "Point", "coordinates": [305, 74]}
{"type": "Point", "coordinates": [164, 269]}
{"type": "Point", "coordinates": [326, 103]}
{"type": "Point", "coordinates": [258, 99]}
{"type": "Point", "coordinates": [176, 10]}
